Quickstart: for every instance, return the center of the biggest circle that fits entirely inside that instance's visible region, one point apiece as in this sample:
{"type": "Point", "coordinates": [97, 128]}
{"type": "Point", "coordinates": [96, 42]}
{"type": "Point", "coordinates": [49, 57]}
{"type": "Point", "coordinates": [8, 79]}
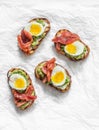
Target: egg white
{"type": "Point", "coordinates": [12, 79]}
{"type": "Point", "coordinates": [79, 46]}
{"type": "Point", "coordinates": [62, 87]}
{"type": "Point", "coordinates": [27, 28]}
{"type": "Point", "coordinates": [55, 70]}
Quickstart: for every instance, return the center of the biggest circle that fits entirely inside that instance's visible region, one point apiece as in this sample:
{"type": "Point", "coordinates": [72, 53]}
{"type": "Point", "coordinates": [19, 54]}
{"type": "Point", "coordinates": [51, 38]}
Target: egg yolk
{"type": "Point", "coordinates": [35, 29]}
{"type": "Point", "coordinates": [19, 83]}
{"type": "Point", "coordinates": [71, 48]}
{"type": "Point", "coordinates": [58, 77]}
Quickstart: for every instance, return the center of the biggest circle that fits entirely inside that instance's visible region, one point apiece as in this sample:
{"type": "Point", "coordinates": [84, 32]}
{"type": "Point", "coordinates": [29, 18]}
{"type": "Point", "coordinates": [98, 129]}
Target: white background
{"type": "Point", "coordinates": [77, 109]}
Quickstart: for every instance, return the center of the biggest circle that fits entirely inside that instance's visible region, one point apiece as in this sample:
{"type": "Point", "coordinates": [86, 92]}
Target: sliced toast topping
{"type": "Point", "coordinates": [21, 87]}
{"type": "Point", "coordinates": [32, 35]}
{"type": "Point", "coordinates": [70, 45]}
{"type": "Point", "coordinates": [53, 74]}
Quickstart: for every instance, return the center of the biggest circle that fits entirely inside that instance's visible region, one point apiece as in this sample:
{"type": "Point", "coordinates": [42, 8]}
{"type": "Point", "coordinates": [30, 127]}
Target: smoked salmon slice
{"type": "Point", "coordinates": [25, 40]}
{"type": "Point", "coordinates": [47, 69]}
{"type": "Point", "coordinates": [66, 37]}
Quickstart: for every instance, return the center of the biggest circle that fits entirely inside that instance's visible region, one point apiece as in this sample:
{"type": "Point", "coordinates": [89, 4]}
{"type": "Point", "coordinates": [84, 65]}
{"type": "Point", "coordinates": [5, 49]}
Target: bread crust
{"type": "Point", "coordinates": [59, 89]}
{"type": "Point", "coordinates": [71, 58]}
{"type": "Point", "coordinates": [30, 83]}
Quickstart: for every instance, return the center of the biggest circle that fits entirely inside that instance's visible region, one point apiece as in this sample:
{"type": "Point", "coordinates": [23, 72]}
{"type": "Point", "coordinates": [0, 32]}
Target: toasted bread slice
{"type": "Point", "coordinates": [22, 103]}
{"type": "Point", "coordinates": [71, 57]}
{"type": "Point", "coordinates": [64, 89]}
{"type": "Point", "coordinates": [34, 45]}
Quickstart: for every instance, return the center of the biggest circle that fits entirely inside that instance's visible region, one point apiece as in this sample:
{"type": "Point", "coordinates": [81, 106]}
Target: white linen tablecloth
{"type": "Point", "coordinates": [77, 109]}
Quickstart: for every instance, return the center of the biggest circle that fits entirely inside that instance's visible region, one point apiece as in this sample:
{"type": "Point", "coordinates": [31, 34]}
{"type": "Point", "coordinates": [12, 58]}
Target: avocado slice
{"type": "Point", "coordinates": [39, 71]}
{"type": "Point", "coordinates": [37, 38]}
{"type": "Point", "coordinates": [27, 103]}
{"type": "Point", "coordinates": [40, 21]}
{"type": "Point", "coordinates": [24, 105]}
{"type": "Point", "coordinates": [62, 48]}
{"type": "Point", "coordinates": [34, 43]}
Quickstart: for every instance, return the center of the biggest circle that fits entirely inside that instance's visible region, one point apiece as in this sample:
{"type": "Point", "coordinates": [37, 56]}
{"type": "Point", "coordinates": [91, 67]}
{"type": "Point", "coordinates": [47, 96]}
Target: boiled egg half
{"type": "Point", "coordinates": [17, 82]}
{"type": "Point", "coordinates": [58, 76]}
{"type": "Point", "coordinates": [35, 28]}
{"type": "Point", "coordinates": [74, 49]}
